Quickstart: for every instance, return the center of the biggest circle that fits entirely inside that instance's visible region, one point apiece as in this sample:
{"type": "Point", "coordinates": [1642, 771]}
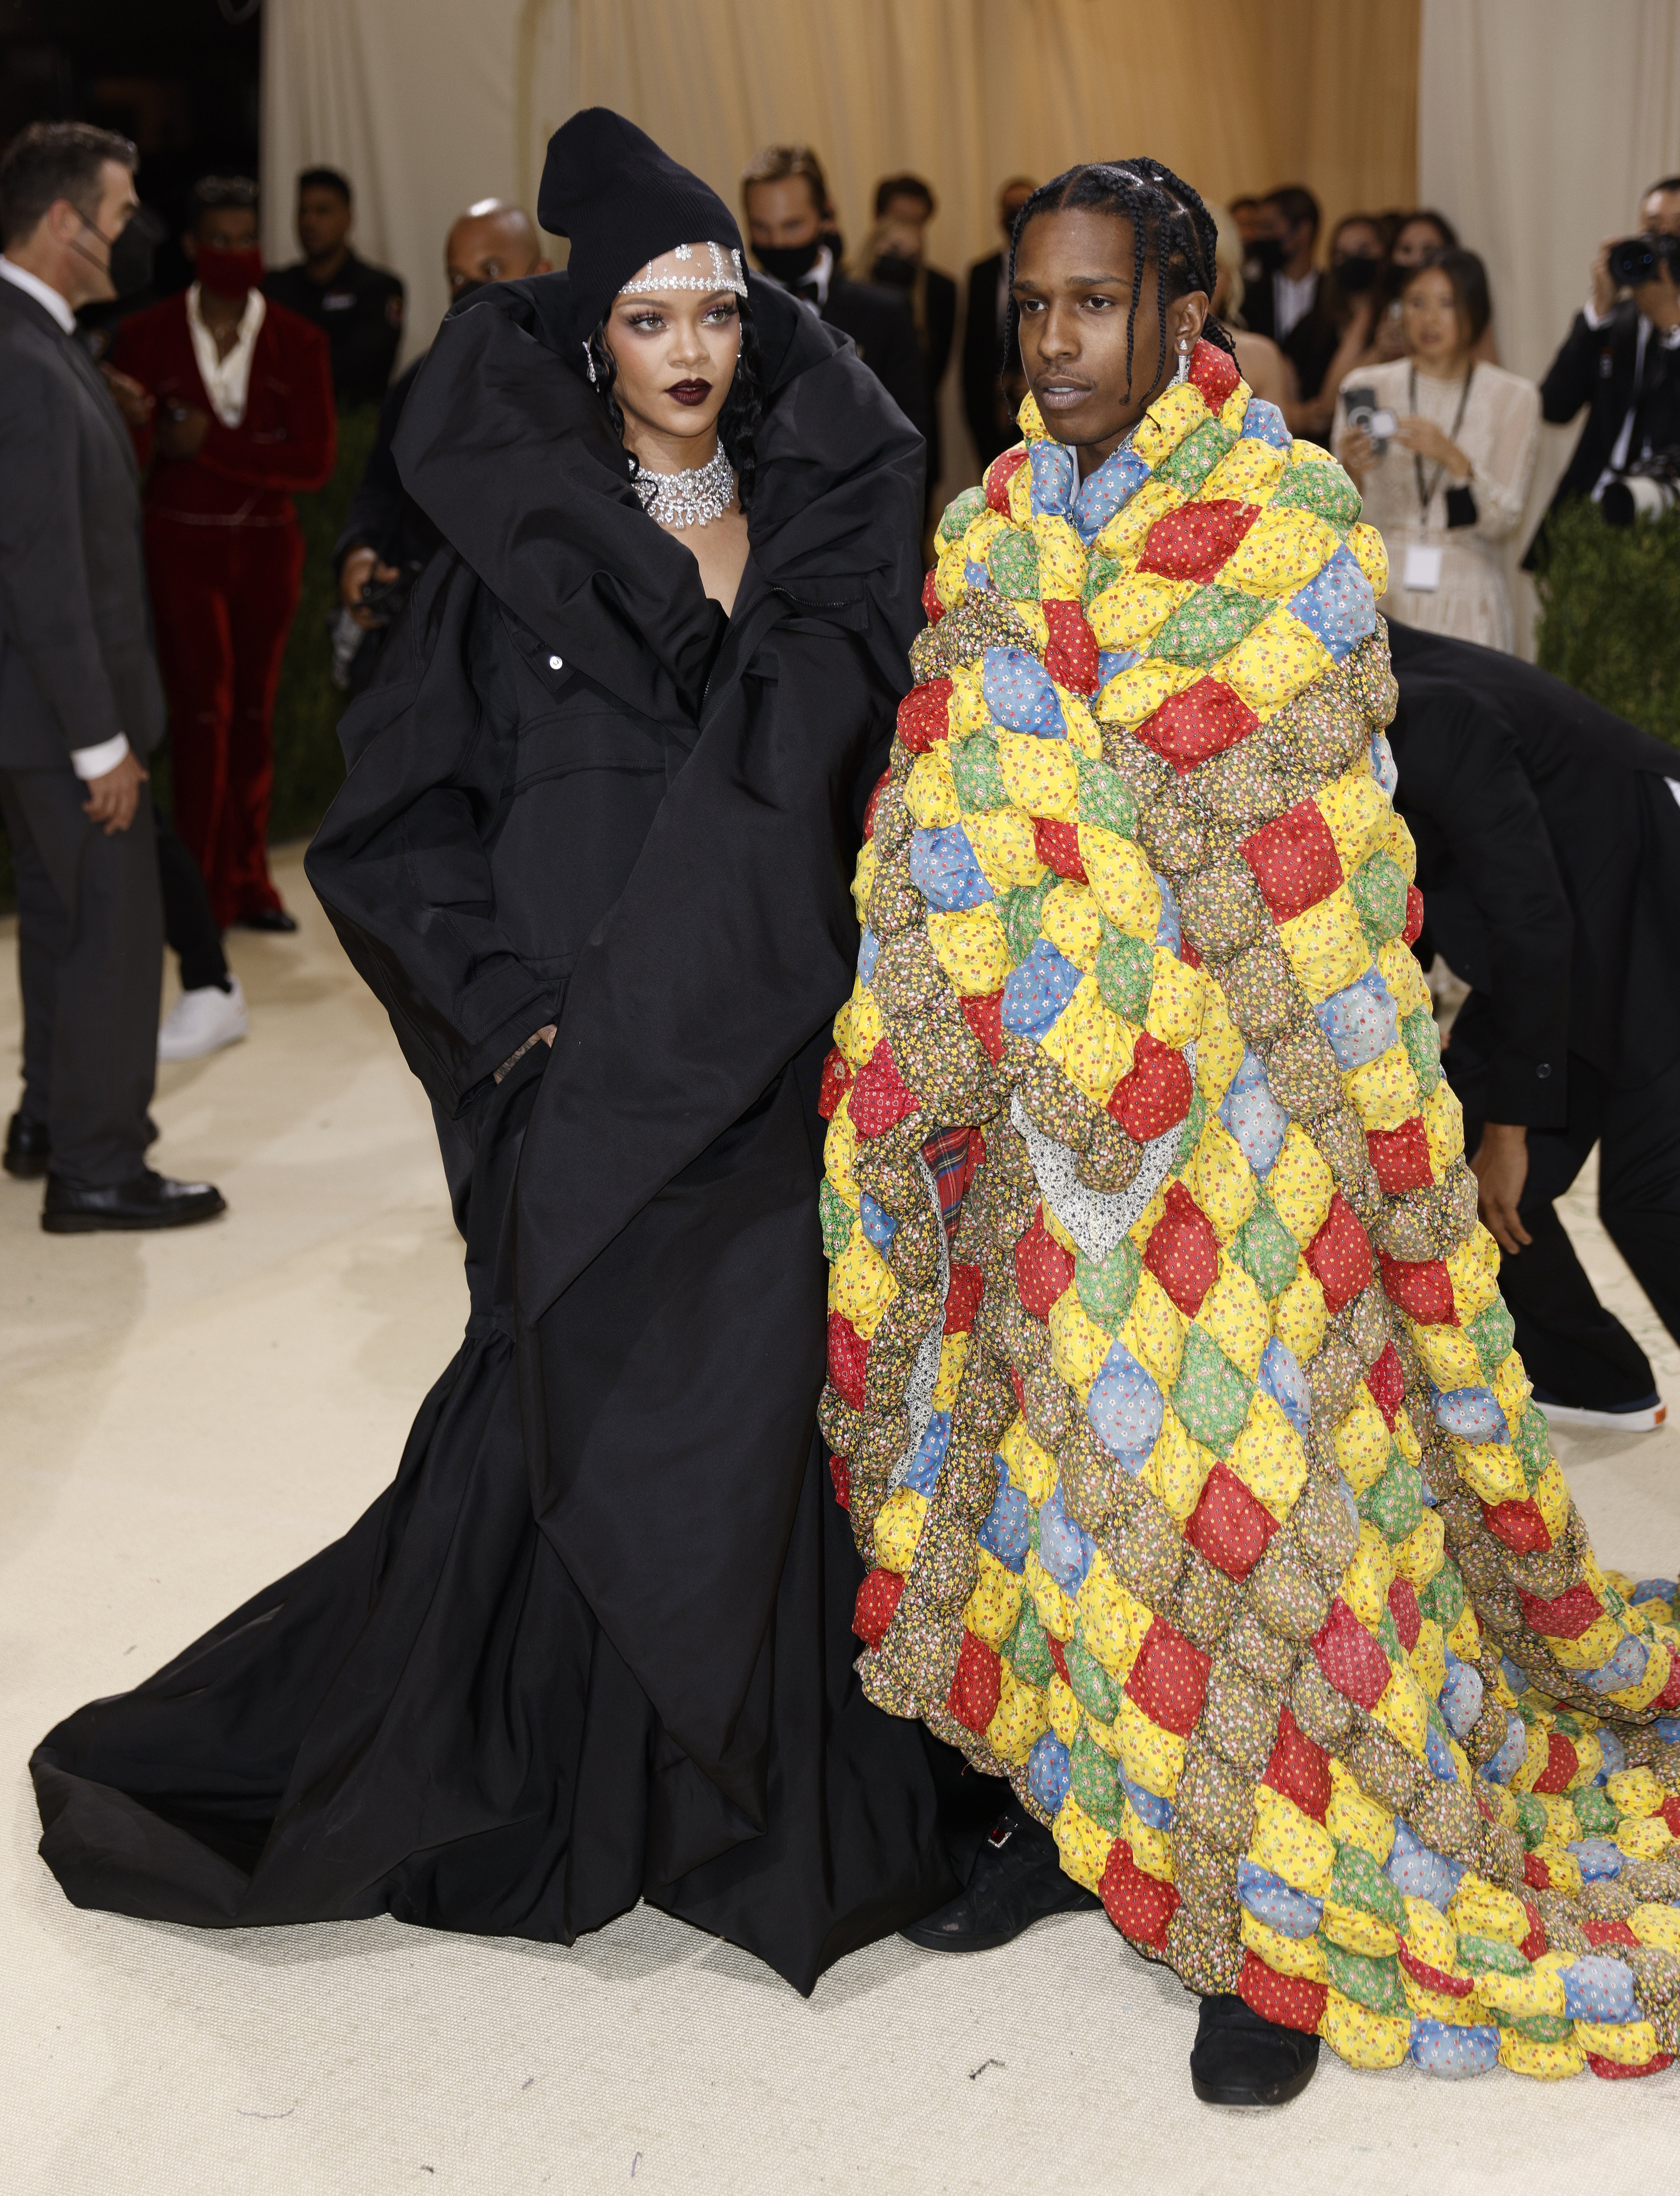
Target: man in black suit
{"type": "Point", "coordinates": [991, 422]}
{"type": "Point", "coordinates": [1621, 358]}
{"type": "Point", "coordinates": [905, 205]}
{"type": "Point", "coordinates": [790, 222]}
{"type": "Point", "coordinates": [1285, 297]}
{"type": "Point", "coordinates": [358, 308]}
{"type": "Point", "coordinates": [1548, 836]}
{"type": "Point", "coordinates": [80, 703]}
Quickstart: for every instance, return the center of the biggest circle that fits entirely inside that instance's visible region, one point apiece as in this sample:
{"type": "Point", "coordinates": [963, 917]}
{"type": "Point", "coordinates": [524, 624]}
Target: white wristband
{"type": "Point", "coordinates": [95, 761]}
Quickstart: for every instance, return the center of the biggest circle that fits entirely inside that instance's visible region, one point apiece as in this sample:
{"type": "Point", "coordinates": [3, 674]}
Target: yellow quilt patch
{"type": "Point", "coordinates": [1268, 1457]}
{"type": "Point", "coordinates": [1039, 775]}
{"type": "Point", "coordinates": [970, 945]}
{"type": "Point", "coordinates": [1384, 1092]}
{"type": "Point", "coordinates": [1122, 879]}
{"type": "Point", "coordinates": [1300, 1185]}
{"type": "Point", "coordinates": [1327, 945]}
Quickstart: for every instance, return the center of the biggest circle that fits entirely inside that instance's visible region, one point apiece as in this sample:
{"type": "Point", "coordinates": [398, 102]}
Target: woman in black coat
{"type": "Point", "coordinates": [593, 1645]}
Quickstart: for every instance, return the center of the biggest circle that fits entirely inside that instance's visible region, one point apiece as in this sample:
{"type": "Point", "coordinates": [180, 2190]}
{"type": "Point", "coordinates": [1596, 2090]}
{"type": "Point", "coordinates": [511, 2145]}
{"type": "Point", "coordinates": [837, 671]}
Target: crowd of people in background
{"type": "Point", "coordinates": [1378, 338]}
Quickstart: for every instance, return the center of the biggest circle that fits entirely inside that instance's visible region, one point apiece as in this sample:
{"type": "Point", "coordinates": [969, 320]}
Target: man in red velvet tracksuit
{"type": "Point", "coordinates": [243, 419]}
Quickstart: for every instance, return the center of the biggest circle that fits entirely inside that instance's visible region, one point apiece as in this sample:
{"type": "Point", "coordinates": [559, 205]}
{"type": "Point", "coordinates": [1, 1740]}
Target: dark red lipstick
{"type": "Point", "coordinates": [690, 392]}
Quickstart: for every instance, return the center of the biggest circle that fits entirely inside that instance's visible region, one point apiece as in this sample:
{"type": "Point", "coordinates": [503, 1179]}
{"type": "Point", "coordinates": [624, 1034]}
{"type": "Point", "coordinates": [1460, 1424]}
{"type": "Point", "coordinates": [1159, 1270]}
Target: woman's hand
{"type": "Point", "coordinates": [1358, 454]}
{"type": "Point", "coordinates": [1422, 435]}
{"type": "Point", "coordinates": [1501, 1170]}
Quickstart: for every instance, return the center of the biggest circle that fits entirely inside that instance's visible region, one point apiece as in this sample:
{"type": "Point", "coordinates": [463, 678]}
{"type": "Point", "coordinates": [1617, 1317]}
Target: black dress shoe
{"type": "Point", "coordinates": [1018, 1880]}
{"type": "Point", "coordinates": [1238, 2059]}
{"type": "Point", "coordinates": [265, 918]}
{"type": "Point", "coordinates": [28, 1148]}
{"type": "Point", "coordinates": [147, 1200]}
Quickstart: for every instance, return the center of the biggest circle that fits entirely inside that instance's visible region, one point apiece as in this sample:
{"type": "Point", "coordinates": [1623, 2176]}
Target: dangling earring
{"type": "Point", "coordinates": [1183, 373]}
{"type": "Point", "coordinates": [589, 361]}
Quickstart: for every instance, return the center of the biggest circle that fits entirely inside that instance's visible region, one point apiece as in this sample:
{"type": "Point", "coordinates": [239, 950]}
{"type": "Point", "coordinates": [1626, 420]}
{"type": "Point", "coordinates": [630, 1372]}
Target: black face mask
{"type": "Point", "coordinates": [897, 274]}
{"type": "Point", "coordinates": [787, 262]}
{"type": "Point", "coordinates": [129, 264]}
{"type": "Point", "coordinates": [1267, 254]}
{"type": "Point", "coordinates": [1356, 274]}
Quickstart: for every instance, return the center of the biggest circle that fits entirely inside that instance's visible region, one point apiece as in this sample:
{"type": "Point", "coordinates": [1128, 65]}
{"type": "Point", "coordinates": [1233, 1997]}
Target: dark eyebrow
{"type": "Point", "coordinates": [1077, 281]}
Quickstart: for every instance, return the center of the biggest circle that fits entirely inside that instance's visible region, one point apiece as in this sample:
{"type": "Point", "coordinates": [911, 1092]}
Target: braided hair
{"type": "Point", "coordinates": [737, 423]}
{"type": "Point", "coordinates": [1171, 225]}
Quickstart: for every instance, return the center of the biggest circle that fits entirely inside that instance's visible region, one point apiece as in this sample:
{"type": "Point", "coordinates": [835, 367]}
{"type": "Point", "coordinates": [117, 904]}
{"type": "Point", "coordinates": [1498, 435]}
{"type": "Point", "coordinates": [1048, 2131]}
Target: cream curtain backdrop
{"type": "Point", "coordinates": [430, 104]}
{"type": "Point", "coordinates": [1539, 124]}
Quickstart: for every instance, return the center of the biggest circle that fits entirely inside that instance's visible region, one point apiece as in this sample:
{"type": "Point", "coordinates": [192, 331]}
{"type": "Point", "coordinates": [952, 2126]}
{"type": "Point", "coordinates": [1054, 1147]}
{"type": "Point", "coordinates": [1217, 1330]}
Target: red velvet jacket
{"type": "Point", "coordinates": [245, 475]}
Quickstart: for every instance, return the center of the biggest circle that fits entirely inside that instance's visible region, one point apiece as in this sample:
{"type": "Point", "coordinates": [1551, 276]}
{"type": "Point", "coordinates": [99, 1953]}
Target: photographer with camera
{"type": "Point", "coordinates": [1622, 359]}
{"type": "Point", "coordinates": [387, 538]}
{"type": "Point", "coordinates": [1442, 448]}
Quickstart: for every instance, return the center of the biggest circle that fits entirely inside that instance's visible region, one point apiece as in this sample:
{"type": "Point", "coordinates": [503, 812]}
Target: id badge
{"type": "Point", "coordinates": [1422, 567]}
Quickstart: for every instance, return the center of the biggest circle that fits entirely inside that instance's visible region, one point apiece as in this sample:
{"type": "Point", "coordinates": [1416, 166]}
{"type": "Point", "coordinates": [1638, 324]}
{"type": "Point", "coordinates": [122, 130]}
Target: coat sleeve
{"type": "Point", "coordinates": [1569, 380]}
{"type": "Point", "coordinates": [45, 607]}
{"type": "Point", "coordinates": [400, 862]}
{"type": "Point", "coordinates": [375, 516]}
{"type": "Point", "coordinates": [304, 458]}
{"type": "Point", "coordinates": [1460, 766]}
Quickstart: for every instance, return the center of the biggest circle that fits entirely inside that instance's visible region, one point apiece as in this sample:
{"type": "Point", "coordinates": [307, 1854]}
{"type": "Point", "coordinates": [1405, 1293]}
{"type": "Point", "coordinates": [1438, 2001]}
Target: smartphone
{"type": "Point", "coordinates": [1364, 411]}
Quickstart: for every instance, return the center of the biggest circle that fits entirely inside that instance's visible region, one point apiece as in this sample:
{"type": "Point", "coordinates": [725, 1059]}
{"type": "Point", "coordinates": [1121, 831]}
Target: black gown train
{"type": "Point", "coordinates": [593, 1644]}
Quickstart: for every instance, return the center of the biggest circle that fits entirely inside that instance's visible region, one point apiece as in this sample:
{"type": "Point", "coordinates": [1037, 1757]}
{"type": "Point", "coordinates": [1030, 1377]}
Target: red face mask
{"type": "Point", "coordinates": [229, 273]}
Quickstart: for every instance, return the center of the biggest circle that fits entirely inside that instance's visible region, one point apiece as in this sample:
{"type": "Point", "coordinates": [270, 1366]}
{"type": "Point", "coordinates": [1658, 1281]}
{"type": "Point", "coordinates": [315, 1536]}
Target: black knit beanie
{"type": "Point", "coordinates": [622, 202]}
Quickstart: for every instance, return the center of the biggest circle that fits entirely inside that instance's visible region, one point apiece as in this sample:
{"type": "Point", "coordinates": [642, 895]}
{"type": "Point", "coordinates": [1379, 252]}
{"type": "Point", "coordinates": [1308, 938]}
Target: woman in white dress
{"type": "Point", "coordinates": [1446, 484]}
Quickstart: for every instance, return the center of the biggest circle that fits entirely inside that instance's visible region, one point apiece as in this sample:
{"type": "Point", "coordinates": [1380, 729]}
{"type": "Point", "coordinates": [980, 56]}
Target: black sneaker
{"type": "Point", "coordinates": [145, 1200]}
{"type": "Point", "coordinates": [1018, 1880]}
{"type": "Point", "coordinates": [1238, 2059]}
{"type": "Point", "coordinates": [28, 1148]}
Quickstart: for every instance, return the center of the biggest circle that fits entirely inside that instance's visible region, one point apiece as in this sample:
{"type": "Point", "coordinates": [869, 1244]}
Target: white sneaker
{"type": "Point", "coordinates": [204, 1021]}
{"type": "Point", "coordinates": [1643, 1417]}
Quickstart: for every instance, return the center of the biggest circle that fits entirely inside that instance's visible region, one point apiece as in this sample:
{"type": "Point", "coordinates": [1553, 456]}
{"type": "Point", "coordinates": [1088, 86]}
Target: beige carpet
{"type": "Point", "coordinates": [180, 1419]}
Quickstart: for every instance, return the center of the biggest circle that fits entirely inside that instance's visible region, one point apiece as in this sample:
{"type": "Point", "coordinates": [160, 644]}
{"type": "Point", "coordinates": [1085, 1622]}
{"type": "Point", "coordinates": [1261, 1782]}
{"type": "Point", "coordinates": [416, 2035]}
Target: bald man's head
{"type": "Point", "coordinates": [491, 243]}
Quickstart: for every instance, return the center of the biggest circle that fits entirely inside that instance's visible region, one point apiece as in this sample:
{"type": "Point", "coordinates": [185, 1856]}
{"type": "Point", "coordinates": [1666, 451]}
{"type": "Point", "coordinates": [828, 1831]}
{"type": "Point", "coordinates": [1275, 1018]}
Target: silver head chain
{"type": "Point", "coordinates": [727, 273]}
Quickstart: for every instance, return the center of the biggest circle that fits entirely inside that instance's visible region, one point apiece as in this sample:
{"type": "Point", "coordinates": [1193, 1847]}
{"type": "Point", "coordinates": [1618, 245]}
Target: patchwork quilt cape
{"type": "Point", "coordinates": [1170, 1387]}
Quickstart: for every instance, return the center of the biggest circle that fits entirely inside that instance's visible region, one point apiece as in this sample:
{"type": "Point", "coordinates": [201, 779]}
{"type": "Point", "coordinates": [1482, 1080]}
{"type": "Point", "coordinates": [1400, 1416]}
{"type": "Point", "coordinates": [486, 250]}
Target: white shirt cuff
{"type": "Point", "coordinates": [93, 762]}
{"type": "Point", "coordinates": [1594, 319]}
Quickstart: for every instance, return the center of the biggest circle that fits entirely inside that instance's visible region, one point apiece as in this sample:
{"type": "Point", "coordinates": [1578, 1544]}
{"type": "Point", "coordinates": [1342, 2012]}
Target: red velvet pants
{"type": "Point", "coordinates": [223, 597]}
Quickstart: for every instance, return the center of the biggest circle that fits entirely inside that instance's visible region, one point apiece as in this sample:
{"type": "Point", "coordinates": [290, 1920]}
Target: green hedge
{"type": "Point", "coordinates": [308, 768]}
{"type": "Point", "coordinates": [1610, 613]}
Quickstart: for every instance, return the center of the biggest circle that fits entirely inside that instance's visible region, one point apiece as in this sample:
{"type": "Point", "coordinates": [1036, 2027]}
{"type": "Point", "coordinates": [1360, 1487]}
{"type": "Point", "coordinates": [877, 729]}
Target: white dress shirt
{"type": "Point", "coordinates": [1292, 299]}
{"type": "Point", "coordinates": [104, 754]}
{"type": "Point", "coordinates": [1669, 340]}
{"type": "Point", "coordinates": [226, 381]}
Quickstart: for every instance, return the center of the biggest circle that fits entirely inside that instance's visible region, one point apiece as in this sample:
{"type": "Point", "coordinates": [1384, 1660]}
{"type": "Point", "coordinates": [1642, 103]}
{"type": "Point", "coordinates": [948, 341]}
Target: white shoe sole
{"type": "Point", "coordinates": [1608, 1422]}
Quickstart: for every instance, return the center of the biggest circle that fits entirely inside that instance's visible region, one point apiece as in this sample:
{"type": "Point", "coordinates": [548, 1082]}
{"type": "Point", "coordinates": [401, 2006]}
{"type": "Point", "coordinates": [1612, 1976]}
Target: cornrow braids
{"type": "Point", "coordinates": [739, 421]}
{"type": "Point", "coordinates": [1171, 225]}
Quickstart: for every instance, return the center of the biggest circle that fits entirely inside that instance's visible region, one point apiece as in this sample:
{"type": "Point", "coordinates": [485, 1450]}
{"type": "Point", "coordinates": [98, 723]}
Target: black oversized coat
{"type": "Point", "coordinates": [593, 1645]}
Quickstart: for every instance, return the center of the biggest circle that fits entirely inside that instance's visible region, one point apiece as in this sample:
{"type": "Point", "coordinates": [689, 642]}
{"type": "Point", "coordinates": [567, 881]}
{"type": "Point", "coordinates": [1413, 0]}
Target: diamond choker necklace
{"type": "Point", "coordinates": [690, 499]}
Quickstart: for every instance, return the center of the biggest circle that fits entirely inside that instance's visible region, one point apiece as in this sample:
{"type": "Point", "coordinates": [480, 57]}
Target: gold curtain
{"type": "Point", "coordinates": [1235, 94]}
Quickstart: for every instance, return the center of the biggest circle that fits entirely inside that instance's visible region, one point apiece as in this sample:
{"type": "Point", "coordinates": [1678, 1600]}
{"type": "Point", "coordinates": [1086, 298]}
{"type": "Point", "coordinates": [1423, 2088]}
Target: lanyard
{"type": "Point", "coordinates": [1425, 494]}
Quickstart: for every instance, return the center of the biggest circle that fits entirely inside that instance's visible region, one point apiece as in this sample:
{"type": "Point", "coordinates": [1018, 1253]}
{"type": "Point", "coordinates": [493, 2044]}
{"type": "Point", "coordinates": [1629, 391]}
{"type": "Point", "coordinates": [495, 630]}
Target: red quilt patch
{"type": "Point", "coordinates": [1192, 542]}
{"type": "Point", "coordinates": [1421, 1287]}
{"type": "Point", "coordinates": [879, 1096]}
{"type": "Point", "coordinates": [1295, 861]}
{"type": "Point", "coordinates": [925, 715]}
{"type": "Point", "coordinates": [999, 474]}
{"type": "Point", "coordinates": [1071, 651]}
{"type": "Point", "coordinates": [1340, 1255]}
{"type": "Point", "coordinates": [1351, 1658]}
{"type": "Point", "coordinates": [1387, 1383]}
{"type": "Point", "coordinates": [1169, 1679]}
{"type": "Point", "coordinates": [1154, 1094]}
{"type": "Point", "coordinates": [877, 1600]}
{"type": "Point", "coordinates": [1214, 373]}
{"type": "Point", "coordinates": [1183, 1251]}
{"type": "Point", "coordinates": [1228, 1526]}
{"type": "Point", "coordinates": [1299, 1769]}
{"type": "Point", "coordinates": [1141, 1906]}
{"type": "Point", "coordinates": [1044, 1270]}
{"type": "Point", "coordinates": [973, 1696]}
{"type": "Point", "coordinates": [1401, 1157]}
{"type": "Point", "coordinates": [1201, 720]}
{"type": "Point", "coordinates": [1057, 845]}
